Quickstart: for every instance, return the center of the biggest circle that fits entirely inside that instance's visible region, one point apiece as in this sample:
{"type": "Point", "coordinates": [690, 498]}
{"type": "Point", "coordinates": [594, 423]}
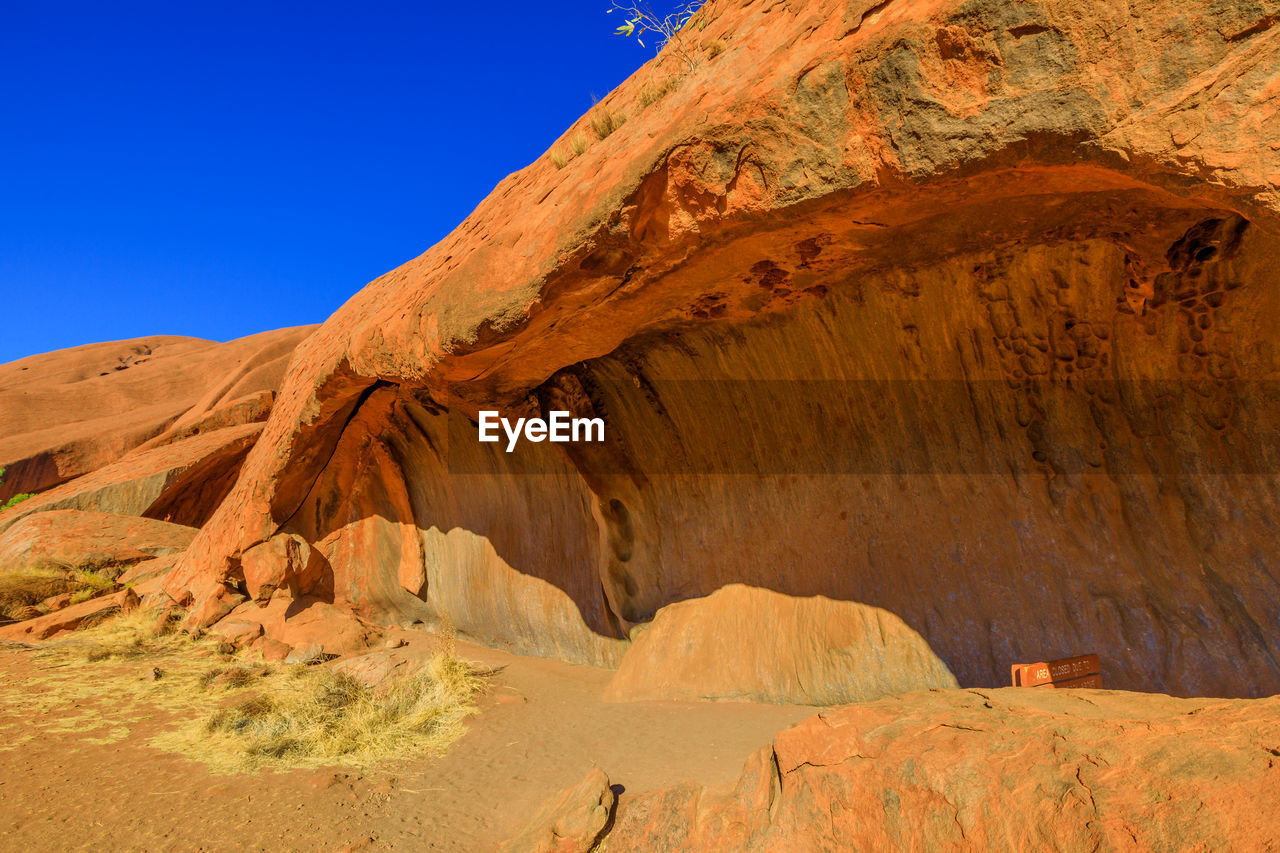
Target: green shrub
{"type": "Point", "coordinates": [16, 499]}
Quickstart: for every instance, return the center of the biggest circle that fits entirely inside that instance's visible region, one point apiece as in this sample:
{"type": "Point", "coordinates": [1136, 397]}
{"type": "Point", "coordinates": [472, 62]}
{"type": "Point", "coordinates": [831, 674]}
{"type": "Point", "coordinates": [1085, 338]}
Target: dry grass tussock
{"type": "Point", "coordinates": [575, 146]}
{"type": "Point", "coordinates": [605, 121]}
{"type": "Point", "coordinates": [26, 589]}
{"type": "Point", "coordinates": [236, 713]}
{"type": "Point", "coordinates": [656, 90]}
{"type": "Point", "coordinates": [21, 590]}
{"type": "Point", "coordinates": [320, 717]}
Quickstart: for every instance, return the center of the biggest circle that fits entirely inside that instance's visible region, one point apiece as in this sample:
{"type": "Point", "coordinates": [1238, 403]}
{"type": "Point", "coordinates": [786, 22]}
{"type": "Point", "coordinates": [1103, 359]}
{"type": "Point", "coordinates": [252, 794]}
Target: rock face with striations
{"type": "Point", "coordinates": [959, 310]}
{"type": "Point", "coordinates": [67, 413]}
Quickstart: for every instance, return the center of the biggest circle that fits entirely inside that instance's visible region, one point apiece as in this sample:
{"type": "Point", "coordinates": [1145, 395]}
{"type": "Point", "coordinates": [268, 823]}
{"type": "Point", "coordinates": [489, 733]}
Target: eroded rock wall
{"type": "Point", "coordinates": [1000, 433]}
{"type": "Point", "coordinates": [958, 310]}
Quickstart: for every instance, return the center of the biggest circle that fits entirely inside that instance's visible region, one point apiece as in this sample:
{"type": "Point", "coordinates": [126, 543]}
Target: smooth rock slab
{"type": "Point", "coordinates": [1011, 769]}
{"type": "Point", "coordinates": [753, 645]}
{"type": "Point", "coordinates": [60, 540]}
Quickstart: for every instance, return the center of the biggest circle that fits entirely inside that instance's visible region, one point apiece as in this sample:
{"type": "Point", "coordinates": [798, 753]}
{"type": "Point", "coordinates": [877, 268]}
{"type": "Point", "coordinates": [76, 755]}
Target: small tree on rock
{"type": "Point", "coordinates": [667, 30]}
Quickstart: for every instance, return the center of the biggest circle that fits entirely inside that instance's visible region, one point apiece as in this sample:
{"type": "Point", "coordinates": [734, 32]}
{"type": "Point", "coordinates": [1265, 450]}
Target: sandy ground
{"type": "Point", "coordinates": [541, 727]}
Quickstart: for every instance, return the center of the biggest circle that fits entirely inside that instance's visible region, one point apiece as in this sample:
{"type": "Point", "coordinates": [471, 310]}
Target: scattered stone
{"type": "Point", "coordinates": [274, 651]}
{"type": "Point", "coordinates": [239, 633]}
{"type": "Point", "coordinates": [57, 602]}
{"type": "Point", "coordinates": [397, 643]}
{"type": "Point", "coordinates": [215, 606]}
{"type": "Point", "coordinates": [571, 821]}
{"type": "Point", "coordinates": [373, 669]}
{"type": "Point", "coordinates": [129, 600]}
{"type": "Point", "coordinates": [309, 654]}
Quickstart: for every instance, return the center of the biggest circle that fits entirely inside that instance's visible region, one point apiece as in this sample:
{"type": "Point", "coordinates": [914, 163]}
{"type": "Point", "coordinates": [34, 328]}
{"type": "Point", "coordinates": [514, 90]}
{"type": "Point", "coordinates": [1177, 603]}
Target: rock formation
{"type": "Point", "coordinates": [88, 541]}
{"type": "Point", "coordinates": [957, 310]}
{"type": "Point", "coordinates": [573, 822]}
{"type": "Point", "coordinates": [1001, 770]}
{"type": "Point", "coordinates": [74, 411]}
{"type": "Point", "coordinates": [928, 337]}
{"type": "Point", "coordinates": [752, 645]}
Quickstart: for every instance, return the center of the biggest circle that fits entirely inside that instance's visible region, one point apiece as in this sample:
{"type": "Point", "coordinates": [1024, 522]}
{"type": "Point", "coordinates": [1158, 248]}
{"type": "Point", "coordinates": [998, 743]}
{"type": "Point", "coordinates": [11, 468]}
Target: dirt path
{"type": "Point", "coordinates": [83, 777]}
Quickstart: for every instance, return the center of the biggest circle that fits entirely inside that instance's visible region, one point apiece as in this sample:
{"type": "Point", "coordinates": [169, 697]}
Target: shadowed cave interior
{"type": "Point", "coordinates": [1029, 435]}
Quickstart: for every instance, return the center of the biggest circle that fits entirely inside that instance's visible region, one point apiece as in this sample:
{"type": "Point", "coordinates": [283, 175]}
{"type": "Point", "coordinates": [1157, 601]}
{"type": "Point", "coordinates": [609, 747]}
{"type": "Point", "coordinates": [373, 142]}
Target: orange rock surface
{"type": "Point", "coordinates": [960, 311]}
{"type": "Point", "coordinates": [929, 337]}
{"type": "Point", "coordinates": [1016, 769]}
{"type": "Point", "coordinates": [572, 823]}
{"type": "Point", "coordinates": [66, 413]}
{"type": "Point", "coordinates": [741, 644]}
{"type": "Point", "coordinates": [1002, 770]}
{"type": "Point", "coordinates": [87, 541]}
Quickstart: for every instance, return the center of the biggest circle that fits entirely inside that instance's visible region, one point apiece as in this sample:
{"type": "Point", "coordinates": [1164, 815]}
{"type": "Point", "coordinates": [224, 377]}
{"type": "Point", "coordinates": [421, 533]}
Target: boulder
{"type": "Point", "coordinates": [752, 645]}
{"type": "Point", "coordinates": [213, 608]}
{"type": "Point", "coordinates": [309, 654]}
{"type": "Point", "coordinates": [237, 632]}
{"type": "Point", "coordinates": [375, 668]}
{"type": "Point", "coordinates": [57, 602]}
{"type": "Point", "coordinates": [279, 563]}
{"type": "Point", "coordinates": [1001, 770]}
{"type": "Point", "coordinates": [274, 651]}
{"type": "Point", "coordinates": [309, 621]}
{"type": "Point", "coordinates": [572, 821]}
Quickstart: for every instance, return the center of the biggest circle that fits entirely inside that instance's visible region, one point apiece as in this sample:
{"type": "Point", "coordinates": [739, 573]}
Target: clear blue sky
{"type": "Point", "coordinates": [218, 169]}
